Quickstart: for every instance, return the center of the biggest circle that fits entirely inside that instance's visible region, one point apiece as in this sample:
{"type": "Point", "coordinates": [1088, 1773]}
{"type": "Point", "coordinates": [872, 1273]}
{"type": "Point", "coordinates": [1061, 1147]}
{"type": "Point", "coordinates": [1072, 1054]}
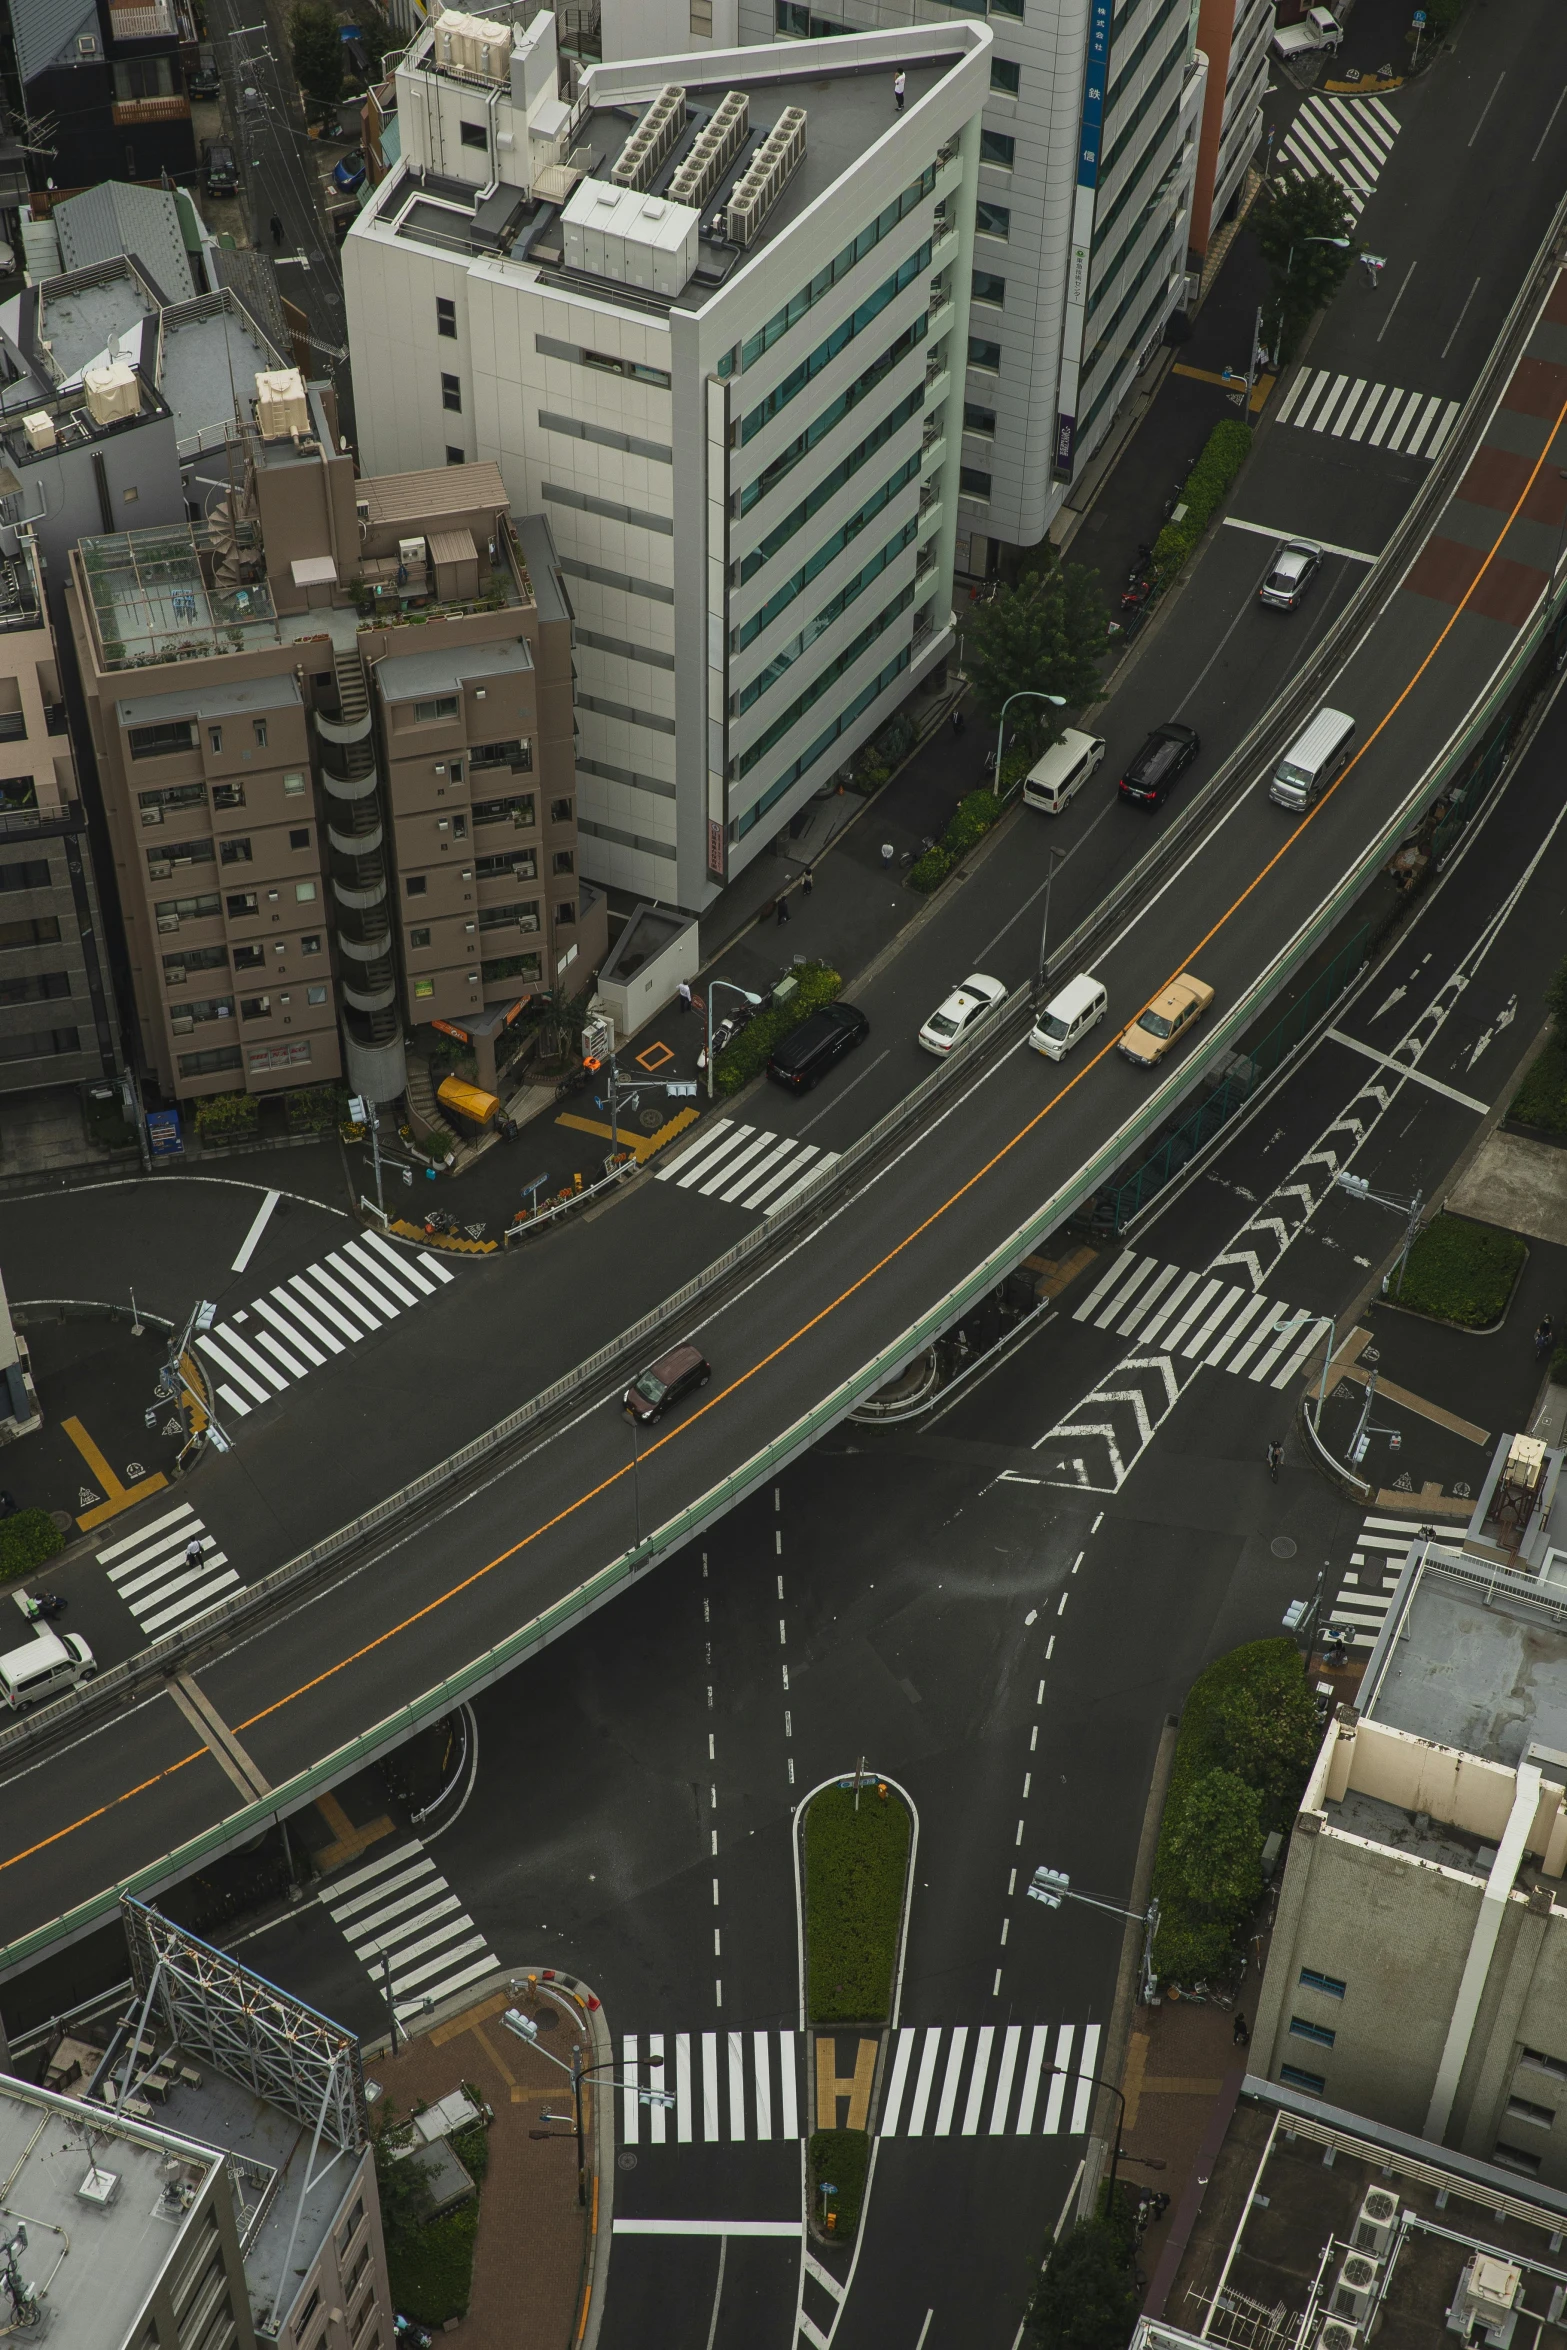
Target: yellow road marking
{"type": "Point", "coordinates": [121, 1497]}
{"type": "Point", "coordinates": [641, 1146]}
{"type": "Point", "coordinates": [764, 1362]}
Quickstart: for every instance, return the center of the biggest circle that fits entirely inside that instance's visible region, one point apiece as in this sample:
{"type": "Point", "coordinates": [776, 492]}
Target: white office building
{"type": "Point", "coordinates": [714, 329]}
{"type": "Point", "coordinates": [1088, 155]}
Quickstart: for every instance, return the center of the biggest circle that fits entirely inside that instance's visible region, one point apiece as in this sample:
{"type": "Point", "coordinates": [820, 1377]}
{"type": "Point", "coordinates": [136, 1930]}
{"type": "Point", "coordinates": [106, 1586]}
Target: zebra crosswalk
{"type": "Point", "coordinates": [1229, 1326]}
{"type": "Point", "coordinates": [939, 2081]}
{"type": "Point", "coordinates": [1384, 416]}
{"type": "Point", "coordinates": [746, 1166]}
{"type": "Point", "coordinates": [161, 1579]}
{"type": "Point", "coordinates": [312, 1316]}
{"type": "Point", "coordinates": [400, 1916]}
{"type": "Point", "coordinates": [1372, 1577]}
{"type": "Point", "coordinates": [1347, 139]}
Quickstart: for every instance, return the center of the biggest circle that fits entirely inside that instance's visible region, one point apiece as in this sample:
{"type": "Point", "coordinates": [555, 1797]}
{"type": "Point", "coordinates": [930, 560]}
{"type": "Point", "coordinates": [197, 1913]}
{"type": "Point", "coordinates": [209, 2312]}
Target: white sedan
{"type": "Point", "coordinates": [964, 1008]}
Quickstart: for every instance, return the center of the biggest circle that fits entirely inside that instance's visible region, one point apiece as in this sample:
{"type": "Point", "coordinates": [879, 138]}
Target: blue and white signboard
{"type": "Point", "coordinates": [1088, 145]}
{"type": "Point", "coordinates": [164, 1138]}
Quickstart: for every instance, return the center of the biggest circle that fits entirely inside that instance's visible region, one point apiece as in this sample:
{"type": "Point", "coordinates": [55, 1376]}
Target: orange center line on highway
{"type": "Point", "coordinates": [467, 1582]}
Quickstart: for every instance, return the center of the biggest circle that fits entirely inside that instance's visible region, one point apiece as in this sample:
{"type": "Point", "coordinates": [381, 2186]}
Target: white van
{"type": "Point", "coordinates": [43, 1667]}
{"type": "Point", "coordinates": [1051, 784]}
{"type": "Point", "coordinates": [1068, 1017]}
{"type": "Point", "coordinates": [1312, 761]}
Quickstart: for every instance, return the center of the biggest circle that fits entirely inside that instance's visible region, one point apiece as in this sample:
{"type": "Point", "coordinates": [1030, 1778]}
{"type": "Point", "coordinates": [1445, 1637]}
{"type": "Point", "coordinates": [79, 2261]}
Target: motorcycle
{"type": "Point", "coordinates": [439, 1220]}
{"type": "Point", "coordinates": [1136, 594]}
{"type": "Point", "coordinates": [409, 2336]}
{"type": "Point", "coordinates": [725, 1033]}
{"type": "Point", "coordinates": [43, 1606]}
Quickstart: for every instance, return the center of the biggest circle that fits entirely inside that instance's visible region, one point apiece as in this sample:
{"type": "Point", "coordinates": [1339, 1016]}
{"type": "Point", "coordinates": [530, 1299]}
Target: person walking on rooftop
{"type": "Point", "coordinates": [900, 83]}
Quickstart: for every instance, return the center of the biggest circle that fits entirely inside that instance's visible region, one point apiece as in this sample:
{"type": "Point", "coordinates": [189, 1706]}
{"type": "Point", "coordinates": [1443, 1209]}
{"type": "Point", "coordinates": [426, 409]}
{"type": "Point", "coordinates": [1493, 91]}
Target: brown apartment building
{"type": "Point", "coordinates": [333, 723]}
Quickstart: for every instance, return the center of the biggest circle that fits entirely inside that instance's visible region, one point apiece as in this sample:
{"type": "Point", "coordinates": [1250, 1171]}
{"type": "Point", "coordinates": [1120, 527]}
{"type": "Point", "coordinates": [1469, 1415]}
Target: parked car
{"type": "Point", "coordinates": [1319, 28]}
{"type": "Point", "coordinates": [1174, 1013]}
{"type": "Point", "coordinates": [348, 172]}
{"type": "Point", "coordinates": [206, 81]}
{"type": "Point", "coordinates": [803, 1058]}
{"type": "Point", "coordinates": [1294, 568]}
{"type": "Point", "coordinates": [975, 1000]}
{"type": "Point", "coordinates": [650, 1395]}
{"type": "Point", "coordinates": [222, 173]}
{"type": "Point", "coordinates": [1167, 753]}
{"type": "Point", "coordinates": [1053, 781]}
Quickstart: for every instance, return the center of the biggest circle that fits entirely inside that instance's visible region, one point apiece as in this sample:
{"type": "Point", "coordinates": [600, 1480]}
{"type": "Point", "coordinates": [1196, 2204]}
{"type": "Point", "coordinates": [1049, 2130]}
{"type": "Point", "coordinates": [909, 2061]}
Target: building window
{"type": "Point", "coordinates": [983, 354]}
{"type": "Point", "coordinates": [249, 958]}
{"type": "Point", "coordinates": [563, 861]}
{"type": "Point", "coordinates": [566, 912]}
{"type": "Point", "coordinates": [158, 742]}
{"type": "Point", "coordinates": [1005, 76]}
{"type": "Point", "coordinates": [346, 2236]}
{"type": "Point", "coordinates": [443, 706]}
{"type": "Point", "coordinates": [451, 394]}
{"type": "Point", "coordinates": [702, 19]}
{"type": "Point", "coordinates": [474, 134]}
{"type": "Point", "coordinates": [989, 288]}
{"type": "Point", "coordinates": [277, 1056]}
{"type": "Point", "coordinates": [977, 419]}
{"type": "Point", "coordinates": [549, 348]}
{"type": "Point", "coordinates": [1515, 2158]}
{"type": "Point", "coordinates": [516, 810]}
{"type": "Point", "coordinates": [310, 944]}
{"type": "Point", "coordinates": [175, 795]}
{"type": "Point", "coordinates": [973, 482]}
{"type": "Point", "coordinates": [223, 1056]}
{"type": "Point", "coordinates": [1541, 2063]}
{"type": "Point", "coordinates": [258, 727]}
{"type": "Point", "coordinates": [305, 893]}
{"type": "Point", "coordinates": [560, 811]}
{"type": "Point", "coordinates": [235, 851]}
{"type": "Point", "coordinates": [255, 1007]}
{"type": "Point", "coordinates": [1520, 2109]}
{"type": "Point", "coordinates": [454, 456]}
{"type": "Point", "coordinates": [242, 903]}
{"type": "Point", "coordinates": [42, 931]}
{"type": "Point", "coordinates": [416, 884]}
{"type": "Point", "coordinates": [228, 795]}
{"type": "Point", "coordinates": [44, 985]}
{"type": "Point", "coordinates": [293, 786]}
{"type": "Point", "coordinates": [1310, 1980]}
{"type": "Point", "coordinates": [32, 873]}
{"type": "Point", "coordinates": [315, 995]}
{"type": "Point", "coordinates": [1293, 2078]}
{"type": "Point", "coordinates": [992, 220]}
{"type": "Point", "coordinates": [300, 839]}
{"type": "Point", "coordinates": [215, 737]}
{"type": "Point", "coordinates": [445, 317]}
{"type": "Point", "coordinates": [995, 147]}
{"type": "Point", "coordinates": [418, 938]}
{"type": "Point", "coordinates": [1307, 2031]}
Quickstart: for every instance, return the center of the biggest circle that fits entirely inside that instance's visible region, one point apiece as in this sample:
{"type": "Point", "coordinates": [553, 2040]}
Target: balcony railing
{"type": "Point", "coordinates": [129, 111]}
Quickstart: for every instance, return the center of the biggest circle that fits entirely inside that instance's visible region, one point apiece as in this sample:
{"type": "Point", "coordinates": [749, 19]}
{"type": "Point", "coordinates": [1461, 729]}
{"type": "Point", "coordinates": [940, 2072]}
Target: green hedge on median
{"type": "Point", "coordinates": [1541, 1100]}
{"type": "Point", "coordinates": [855, 1865]}
{"type": "Point", "coordinates": [1460, 1272]}
{"type": "Point", "coordinates": [27, 1539]}
{"type": "Point", "coordinates": [840, 2160]}
{"type": "Point", "coordinates": [1206, 487]}
{"type": "Point", "coordinates": [974, 816]}
{"type": "Point", "coordinates": [752, 1049]}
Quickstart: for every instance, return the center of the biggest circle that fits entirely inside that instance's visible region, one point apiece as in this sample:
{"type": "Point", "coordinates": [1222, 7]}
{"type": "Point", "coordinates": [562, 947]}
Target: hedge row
{"type": "Point", "coordinates": [1461, 1272]}
{"type": "Point", "coordinates": [752, 1049]}
{"type": "Point", "coordinates": [975, 815]}
{"type": "Point", "coordinates": [855, 1865]}
{"type": "Point", "coordinates": [840, 2160]}
{"type": "Point", "coordinates": [1541, 1100]}
{"type": "Point", "coordinates": [27, 1539]}
{"type": "Point", "coordinates": [1206, 486]}
{"type": "Point", "coordinates": [1249, 1735]}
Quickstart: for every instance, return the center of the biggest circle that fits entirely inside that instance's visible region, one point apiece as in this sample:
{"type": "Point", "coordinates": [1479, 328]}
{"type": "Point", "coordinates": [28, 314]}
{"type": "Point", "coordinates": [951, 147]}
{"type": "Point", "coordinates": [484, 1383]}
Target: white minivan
{"type": "Point", "coordinates": [1068, 1017]}
{"type": "Point", "coordinates": [1052, 782]}
{"type": "Point", "coordinates": [43, 1667]}
{"type": "Point", "coordinates": [1312, 761]}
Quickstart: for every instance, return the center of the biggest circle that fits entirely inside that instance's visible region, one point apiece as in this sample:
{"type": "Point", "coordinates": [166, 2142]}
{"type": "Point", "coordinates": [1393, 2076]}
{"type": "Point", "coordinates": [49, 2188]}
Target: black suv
{"type": "Point", "coordinates": [809, 1051]}
{"type": "Point", "coordinates": [222, 177]}
{"type": "Point", "coordinates": [1167, 753]}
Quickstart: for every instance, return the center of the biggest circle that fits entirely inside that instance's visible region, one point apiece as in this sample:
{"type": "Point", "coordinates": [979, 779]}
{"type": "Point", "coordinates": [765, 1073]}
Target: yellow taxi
{"type": "Point", "coordinates": [1174, 1013]}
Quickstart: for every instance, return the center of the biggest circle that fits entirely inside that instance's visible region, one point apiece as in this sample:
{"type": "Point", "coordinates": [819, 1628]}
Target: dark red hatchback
{"type": "Point", "coordinates": [649, 1396]}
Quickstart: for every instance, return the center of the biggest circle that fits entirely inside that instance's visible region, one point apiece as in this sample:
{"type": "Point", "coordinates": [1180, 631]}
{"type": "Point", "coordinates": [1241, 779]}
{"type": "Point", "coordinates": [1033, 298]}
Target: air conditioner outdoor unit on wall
{"type": "Point", "coordinates": [1355, 2291]}
{"type": "Point", "coordinates": [1375, 2223]}
{"type": "Point", "coordinates": [1334, 2334]}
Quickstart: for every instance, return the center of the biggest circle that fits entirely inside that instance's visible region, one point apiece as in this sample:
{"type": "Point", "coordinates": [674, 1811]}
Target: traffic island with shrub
{"type": "Point", "coordinates": [856, 1868]}
{"type": "Point", "coordinates": [747, 1056]}
{"type": "Point", "coordinates": [1461, 1273]}
{"type": "Point", "coordinates": [430, 2216]}
{"type": "Point", "coordinates": [975, 815]}
{"type": "Point", "coordinates": [1202, 494]}
{"type": "Point", "coordinates": [1248, 1737]}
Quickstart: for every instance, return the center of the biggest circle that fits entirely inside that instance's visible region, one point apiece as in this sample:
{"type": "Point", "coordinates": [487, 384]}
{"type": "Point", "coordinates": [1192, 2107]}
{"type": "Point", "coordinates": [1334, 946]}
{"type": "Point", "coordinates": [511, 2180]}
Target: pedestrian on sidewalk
{"type": "Point", "coordinates": [957, 719]}
{"type": "Point", "coordinates": [783, 910]}
{"type": "Point", "coordinates": [807, 882]}
{"type": "Point", "coordinates": [1242, 2035]}
{"type": "Point", "coordinates": [888, 852]}
{"type": "Point", "coordinates": [683, 991]}
{"type": "Point", "coordinates": [276, 227]}
{"type": "Point", "coordinates": [900, 83]}
{"type": "Point", "coordinates": [1544, 1338]}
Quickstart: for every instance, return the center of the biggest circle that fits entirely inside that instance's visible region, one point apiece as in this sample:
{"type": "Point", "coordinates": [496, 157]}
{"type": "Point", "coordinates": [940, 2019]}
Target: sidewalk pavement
{"type": "Point", "coordinates": [536, 2249]}
{"type": "Point", "coordinates": [1183, 2073]}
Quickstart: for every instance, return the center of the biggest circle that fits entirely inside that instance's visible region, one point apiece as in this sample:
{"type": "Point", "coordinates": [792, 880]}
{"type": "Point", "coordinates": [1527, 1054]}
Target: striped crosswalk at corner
{"type": "Point", "coordinates": [1372, 1577]}
{"type": "Point", "coordinates": [745, 1166]}
{"type": "Point", "coordinates": [259, 1351]}
{"type": "Point", "coordinates": [401, 1919]}
{"type": "Point", "coordinates": [940, 2081]}
{"type": "Point", "coordinates": [1347, 139]}
{"type": "Point", "coordinates": [1226, 1325]}
{"type": "Point", "coordinates": [169, 1572]}
{"type": "Point", "coordinates": [1351, 407]}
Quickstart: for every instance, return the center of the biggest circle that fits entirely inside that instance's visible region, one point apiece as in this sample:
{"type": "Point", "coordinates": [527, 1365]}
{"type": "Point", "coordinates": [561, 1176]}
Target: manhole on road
{"type": "Point", "coordinates": [1282, 1547]}
{"type": "Point", "coordinates": [625, 2162]}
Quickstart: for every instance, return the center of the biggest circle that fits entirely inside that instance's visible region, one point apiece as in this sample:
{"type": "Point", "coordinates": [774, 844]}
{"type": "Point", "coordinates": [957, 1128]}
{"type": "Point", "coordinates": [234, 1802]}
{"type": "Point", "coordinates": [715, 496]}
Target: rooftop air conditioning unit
{"type": "Point", "coordinates": [713, 150]}
{"type": "Point", "coordinates": [1488, 2295]}
{"type": "Point", "coordinates": [98, 2187]}
{"type": "Point", "coordinates": [1334, 2334]}
{"type": "Point", "coordinates": [652, 139]}
{"type": "Point", "coordinates": [774, 164]}
{"type": "Point", "coordinates": [1374, 2226]}
{"type": "Point", "coordinates": [1355, 2291]}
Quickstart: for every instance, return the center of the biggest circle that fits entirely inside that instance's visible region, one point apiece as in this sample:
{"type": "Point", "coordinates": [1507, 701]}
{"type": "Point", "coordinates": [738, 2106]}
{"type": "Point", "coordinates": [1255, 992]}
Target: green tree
{"type": "Point", "coordinates": [1556, 1002]}
{"type": "Point", "coordinates": [1269, 1737]}
{"type": "Point", "coordinates": [1304, 271]}
{"type": "Point", "coordinates": [318, 51]}
{"type": "Point", "coordinates": [1043, 633]}
{"type": "Point", "coordinates": [1087, 2298]}
{"type": "Point", "coordinates": [1217, 1848]}
{"type": "Point", "coordinates": [403, 2184]}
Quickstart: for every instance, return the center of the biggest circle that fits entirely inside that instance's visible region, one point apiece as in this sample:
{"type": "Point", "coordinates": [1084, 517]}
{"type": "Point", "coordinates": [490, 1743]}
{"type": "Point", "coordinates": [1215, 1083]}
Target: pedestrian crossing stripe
{"type": "Point", "coordinates": [942, 2081]}
{"type": "Point", "coordinates": [161, 1584]}
{"type": "Point", "coordinates": [1384, 416]}
{"type": "Point", "coordinates": [400, 1909]}
{"type": "Point", "coordinates": [746, 1166]}
{"type": "Point", "coordinates": [314, 1315]}
{"type": "Point", "coordinates": [1347, 139]}
{"type": "Point", "coordinates": [1202, 1317]}
{"type": "Point", "coordinates": [1375, 1570]}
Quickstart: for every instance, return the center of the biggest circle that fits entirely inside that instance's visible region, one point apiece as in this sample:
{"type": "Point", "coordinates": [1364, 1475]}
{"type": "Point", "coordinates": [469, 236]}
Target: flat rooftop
{"type": "Point", "coordinates": [1284, 2208]}
{"type": "Point", "coordinates": [1467, 1661]}
{"type": "Point", "coordinates": [209, 355]}
{"type": "Point", "coordinates": [78, 323]}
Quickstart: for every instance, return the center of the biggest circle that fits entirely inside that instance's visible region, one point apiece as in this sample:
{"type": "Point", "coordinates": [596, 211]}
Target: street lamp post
{"type": "Point", "coordinates": [525, 2028]}
{"type": "Point", "coordinates": [735, 989]}
{"type": "Point", "coordinates": [1056, 855]}
{"type": "Point", "coordinates": [636, 1479]}
{"type": "Point", "coordinates": [1024, 694]}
